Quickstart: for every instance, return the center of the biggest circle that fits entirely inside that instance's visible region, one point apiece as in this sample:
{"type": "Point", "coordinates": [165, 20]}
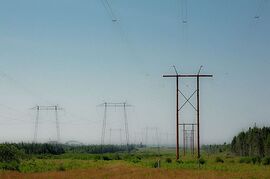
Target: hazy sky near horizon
{"type": "Point", "coordinates": [71, 53]}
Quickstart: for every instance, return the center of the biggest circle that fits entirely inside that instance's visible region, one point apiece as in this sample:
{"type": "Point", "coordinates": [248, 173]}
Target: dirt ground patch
{"type": "Point", "coordinates": [130, 172]}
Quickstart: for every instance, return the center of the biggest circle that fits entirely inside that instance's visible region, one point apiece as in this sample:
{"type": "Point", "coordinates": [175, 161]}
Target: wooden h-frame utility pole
{"type": "Point", "coordinates": [197, 108]}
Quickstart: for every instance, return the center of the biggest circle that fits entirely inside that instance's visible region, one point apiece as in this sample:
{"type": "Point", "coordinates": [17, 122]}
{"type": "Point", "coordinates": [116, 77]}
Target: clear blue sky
{"type": "Point", "coordinates": [71, 53]}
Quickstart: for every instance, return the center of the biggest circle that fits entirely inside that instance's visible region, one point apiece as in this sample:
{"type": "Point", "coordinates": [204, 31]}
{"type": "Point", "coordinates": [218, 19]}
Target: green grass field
{"type": "Point", "coordinates": [146, 159]}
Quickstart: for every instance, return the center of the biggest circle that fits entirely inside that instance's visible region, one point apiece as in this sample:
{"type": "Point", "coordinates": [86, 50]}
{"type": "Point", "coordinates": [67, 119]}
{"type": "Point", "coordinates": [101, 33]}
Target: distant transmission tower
{"type": "Point", "coordinates": [119, 130]}
{"type": "Point", "coordinates": [123, 105]}
{"type": "Point", "coordinates": [47, 108]}
{"type": "Point", "coordinates": [188, 136]}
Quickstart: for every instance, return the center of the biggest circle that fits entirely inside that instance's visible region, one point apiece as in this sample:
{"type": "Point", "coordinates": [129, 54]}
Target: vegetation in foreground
{"type": "Point", "coordinates": [36, 158]}
{"type": "Point", "coordinates": [144, 161]}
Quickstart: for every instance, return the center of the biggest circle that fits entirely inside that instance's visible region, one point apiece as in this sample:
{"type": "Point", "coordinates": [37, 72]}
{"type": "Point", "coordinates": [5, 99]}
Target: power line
{"type": "Point", "coordinates": [13, 109]}
{"type": "Point", "coordinates": [21, 86]}
{"type": "Point", "coordinates": [107, 6]}
{"type": "Point", "coordinates": [12, 118]}
{"type": "Point", "coordinates": [260, 8]}
{"type": "Point", "coordinates": [123, 34]}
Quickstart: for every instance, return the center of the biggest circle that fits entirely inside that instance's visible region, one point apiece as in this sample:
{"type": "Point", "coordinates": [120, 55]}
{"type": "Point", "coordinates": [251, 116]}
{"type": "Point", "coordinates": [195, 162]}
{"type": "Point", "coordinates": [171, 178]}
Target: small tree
{"type": "Point", "coordinates": [10, 157]}
{"type": "Point", "coordinates": [267, 146]}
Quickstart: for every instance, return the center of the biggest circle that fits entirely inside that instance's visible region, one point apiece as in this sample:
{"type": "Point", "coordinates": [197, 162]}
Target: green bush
{"type": "Point", "coordinates": [9, 153]}
{"type": "Point", "coordinates": [135, 160]}
{"type": "Point", "coordinates": [231, 161]}
{"type": "Point", "coordinates": [61, 167]}
{"type": "Point", "coordinates": [266, 161]}
{"type": "Point", "coordinates": [10, 157]}
{"type": "Point", "coordinates": [219, 160]}
{"type": "Point", "coordinates": [106, 158]}
{"type": "Point", "coordinates": [245, 160]}
{"type": "Point", "coordinates": [156, 164]}
{"type": "Point", "coordinates": [201, 161]}
{"type": "Point", "coordinates": [228, 155]}
{"type": "Point", "coordinates": [168, 160]}
{"type": "Point", "coordinates": [97, 157]}
{"type": "Point", "coordinates": [116, 157]}
{"type": "Point", "coordinates": [256, 160]}
{"type": "Point", "coordinates": [35, 148]}
{"type": "Point", "coordinates": [179, 161]}
{"type": "Point", "coordinates": [12, 165]}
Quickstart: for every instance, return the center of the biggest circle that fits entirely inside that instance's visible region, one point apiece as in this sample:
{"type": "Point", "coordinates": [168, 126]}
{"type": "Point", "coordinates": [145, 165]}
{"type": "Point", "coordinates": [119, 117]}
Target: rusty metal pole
{"type": "Point", "coordinates": [192, 139]}
{"type": "Point", "coordinates": [184, 139]}
{"type": "Point", "coordinates": [177, 118]}
{"type": "Point", "coordinates": [198, 115]}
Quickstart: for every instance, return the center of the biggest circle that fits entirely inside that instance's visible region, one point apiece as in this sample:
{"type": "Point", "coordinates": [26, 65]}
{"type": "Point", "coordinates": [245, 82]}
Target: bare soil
{"type": "Point", "coordinates": [123, 171]}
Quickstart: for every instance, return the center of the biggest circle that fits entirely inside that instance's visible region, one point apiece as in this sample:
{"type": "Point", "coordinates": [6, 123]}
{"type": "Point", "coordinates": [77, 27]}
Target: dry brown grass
{"type": "Point", "coordinates": [123, 171]}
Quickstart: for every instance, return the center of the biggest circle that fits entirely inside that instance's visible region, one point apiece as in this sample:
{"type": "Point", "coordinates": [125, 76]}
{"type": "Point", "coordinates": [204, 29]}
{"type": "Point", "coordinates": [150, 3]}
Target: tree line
{"type": "Point", "coordinates": [57, 149]}
{"type": "Point", "coordinates": [254, 142]}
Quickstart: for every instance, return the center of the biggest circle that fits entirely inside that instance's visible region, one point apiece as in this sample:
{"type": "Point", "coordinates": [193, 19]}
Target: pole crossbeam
{"type": "Point", "coordinates": [115, 104]}
{"type": "Point", "coordinates": [47, 108]}
{"type": "Point", "coordinates": [197, 108]}
{"type": "Point", "coordinates": [186, 76]}
{"type": "Point", "coordinates": [188, 130]}
{"type": "Point", "coordinates": [187, 124]}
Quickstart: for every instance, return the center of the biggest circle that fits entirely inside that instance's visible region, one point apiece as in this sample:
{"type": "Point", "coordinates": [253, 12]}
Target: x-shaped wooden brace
{"type": "Point", "coordinates": [187, 100]}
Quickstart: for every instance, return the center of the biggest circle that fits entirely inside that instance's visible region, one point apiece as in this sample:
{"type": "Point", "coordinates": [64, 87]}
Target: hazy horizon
{"type": "Point", "coordinates": [79, 54]}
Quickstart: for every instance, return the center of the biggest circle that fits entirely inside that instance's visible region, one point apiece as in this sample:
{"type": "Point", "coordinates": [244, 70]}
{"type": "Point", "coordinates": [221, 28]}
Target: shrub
{"type": "Point", "coordinates": [168, 160]}
{"type": "Point", "coordinates": [245, 160]}
{"type": "Point", "coordinates": [97, 157]}
{"type": "Point", "coordinates": [179, 161]}
{"type": "Point", "coordinates": [61, 167]}
{"type": "Point", "coordinates": [256, 160]}
{"type": "Point", "coordinates": [231, 161]}
{"type": "Point", "coordinates": [156, 164]}
{"type": "Point", "coordinates": [266, 161]}
{"type": "Point", "coordinates": [106, 158]}
{"type": "Point", "coordinates": [10, 157]}
{"type": "Point", "coordinates": [35, 148]}
{"type": "Point", "coordinates": [12, 165]}
{"type": "Point", "coordinates": [201, 161]}
{"type": "Point", "coordinates": [219, 160]}
{"type": "Point", "coordinates": [135, 160]}
{"type": "Point", "coordinates": [9, 153]}
{"type": "Point", "coordinates": [116, 157]}
{"type": "Point", "coordinates": [228, 155]}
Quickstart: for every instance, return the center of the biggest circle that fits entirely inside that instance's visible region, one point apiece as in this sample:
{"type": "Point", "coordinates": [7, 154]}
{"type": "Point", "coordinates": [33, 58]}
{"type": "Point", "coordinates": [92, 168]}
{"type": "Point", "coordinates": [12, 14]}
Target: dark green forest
{"type": "Point", "coordinates": [57, 149]}
{"type": "Point", "coordinates": [254, 142]}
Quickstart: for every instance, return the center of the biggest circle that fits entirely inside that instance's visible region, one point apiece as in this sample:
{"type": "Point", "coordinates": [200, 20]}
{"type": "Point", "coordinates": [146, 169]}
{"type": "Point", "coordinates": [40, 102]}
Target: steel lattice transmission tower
{"type": "Point", "coordinates": [123, 105]}
{"type": "Point", "coordinates": [47, 108]}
